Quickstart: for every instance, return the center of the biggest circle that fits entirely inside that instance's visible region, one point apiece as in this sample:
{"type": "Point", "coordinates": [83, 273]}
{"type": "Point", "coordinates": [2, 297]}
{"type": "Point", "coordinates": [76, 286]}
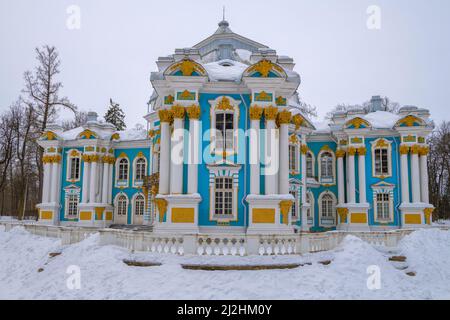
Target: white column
{"type": "Point", "coordinates": [404, 173]}
{"type": "Point", "coordinates": [58, 183]}
{"type": "Point", "coordinates": [93, 182]}
{"type": "Point", "coordinates": [105, 183]}
{"type": "Point", "coordinates": [362, 174]}
{"type": "Point", "coordinates": [177, 151]}
{"type": "Point", "coordinates": [340, 177]}
{"type": "Point", "coordinates": [46, 183]}
{"type": "Point", "coordinates": [415, 177]}
{"type": "Point", "coordinates": [255, 117]}
{"type": "Point", "coordinates": [424, 175]}
{"type": "Point", "coordinates": [194, 143]}
{"type": "Point", "coordinates": [54, 182]}
{"type": "Point", "coordinates": [86, 179]}
{"type": "Point", "coordinates": [284, 159]}
{"type": "Point", "coordinates": [351, 175]}
{"type": "Point", "coordinates": [164, 166]}
{"type": "Point", "coordinates": [271, 155]}
{"type": "Point", "coordinates": [304, 212]}
{"type": "Point", "coordinates": [110, 182]}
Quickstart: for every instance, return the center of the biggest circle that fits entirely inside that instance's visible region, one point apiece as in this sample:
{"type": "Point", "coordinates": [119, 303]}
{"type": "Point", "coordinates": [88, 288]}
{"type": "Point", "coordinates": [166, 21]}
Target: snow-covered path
{"type": "Point", "coordinates": [105, 276]}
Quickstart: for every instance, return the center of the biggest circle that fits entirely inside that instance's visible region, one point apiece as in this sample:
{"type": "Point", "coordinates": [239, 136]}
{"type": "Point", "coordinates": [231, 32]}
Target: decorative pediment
{"type": "Point", "coordinates": [410, 121]}
{"type": "Point", "coordinates": [87, 134]}
{"type": "Point", "coordinates": [49, 135]}
{"type": "Point", "coordinates": [186, 68]}
{"type": "Point", "coordinates": [383, 185]}
{"type": "Point", "coordinates": [357, 123]}
{"type": "Point", "coordinates": [265, 69]}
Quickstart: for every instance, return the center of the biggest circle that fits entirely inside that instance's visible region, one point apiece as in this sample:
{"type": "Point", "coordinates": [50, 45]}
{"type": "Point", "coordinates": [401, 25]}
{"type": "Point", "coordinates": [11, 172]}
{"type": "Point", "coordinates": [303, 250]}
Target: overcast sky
{"type": "Point", "coordinates": [339, 59]}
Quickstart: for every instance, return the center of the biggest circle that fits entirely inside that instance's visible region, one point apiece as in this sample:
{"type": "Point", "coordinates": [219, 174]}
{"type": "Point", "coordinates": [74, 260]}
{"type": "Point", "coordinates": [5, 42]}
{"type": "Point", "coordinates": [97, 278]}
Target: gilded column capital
{"type": "Point", "coordinates": [404, 149]}
{"type": "Point", "coordinates": [415, 149]}
{"type": "Point", "coordinates": [255, 112]}
{"type": "Point", "coordinates": [284, 117]}
{"type": "Point", "coordinates": [165, 116]}
{"type": "Point", "coordinates": [362, 151]}
{"type": "Point", "coordinates": [351, 151]}
{"type": "Point", "coordinates": [193, 111]}
{"type": "Point", "coordinates": [304, 149]}
{"type": "Point", "coordinates": [178, 112]}
{"type": "Point", "coordinates": [86, 158]}
{"type": "Point", "coordinates": [270, 113]}
{"type": "Point", "coordinates": [340, 153]}
{"type": "Point", "coordinates": [423, 151]}
{"type": "Point", "coordinates": [298, 121]}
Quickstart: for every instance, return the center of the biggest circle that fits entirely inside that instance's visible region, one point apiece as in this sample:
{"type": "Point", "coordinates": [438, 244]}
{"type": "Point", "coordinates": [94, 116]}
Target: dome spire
{"type": "Point", "coordinates": [224, 23]}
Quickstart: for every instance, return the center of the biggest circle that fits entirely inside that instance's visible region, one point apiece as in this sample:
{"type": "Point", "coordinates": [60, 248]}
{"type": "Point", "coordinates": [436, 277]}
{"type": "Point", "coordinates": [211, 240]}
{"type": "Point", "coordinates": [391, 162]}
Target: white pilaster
{"type": "Point", "coordinates": [284, 159]}
{"type": "Point", "coordinates": [194, 143]}
{"type": "Point", "coordinates": [54, 182]}
{"type": "Point", "coordinates": [110, 182]}
{"type": "Point", "coordinates": [351, 176]}
{"type": "Point", "coordinates": [362, 174]}
{"type": "Point", "coordinates": [404, 174]}
{"type": "Point", "coordinates": [271, 156]}
{"type": "Point", "coordinates": [304, 185]}
{"type": "Point", "coordinates": [415, 177]}
{"type": "Point", "coordinates": [46, 183]}
{"type": "Point", "coordinates": [93, 181]}
{"type": "Point", "coordinates": [340, 177]}
{"type": "Point", "coordinates": [177, 153]}
{"type": "Point", "coordinates": [424, 176]}
{"type": "Point", "coordinates": [164, 166]}
{"type": "Point", "coordinates": [86, 180]}
{"type": "Point", "coordinates": [254, 156]}
{"type": "Point", "coordinates": [105, 183]}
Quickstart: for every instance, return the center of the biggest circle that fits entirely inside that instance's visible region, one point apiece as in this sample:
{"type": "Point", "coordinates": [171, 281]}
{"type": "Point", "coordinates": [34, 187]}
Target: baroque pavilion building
{"type": "Point", "coordinates": [228, 149]}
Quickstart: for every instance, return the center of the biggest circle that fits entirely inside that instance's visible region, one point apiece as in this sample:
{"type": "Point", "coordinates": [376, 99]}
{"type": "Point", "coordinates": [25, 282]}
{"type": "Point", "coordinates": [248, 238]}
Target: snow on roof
{"type": "Point", "coordinates": [382, 119]}
{"type": "Point", "coordinates": [225, 70]}
{"type": "Point", "coordinates": [71, 134]}
{"type": "Point", "coordinates": [321, 126]}
{"type": "Point", "coordinates": [133, 134]}
{"type": "Point", "coordinates": [244, 54]}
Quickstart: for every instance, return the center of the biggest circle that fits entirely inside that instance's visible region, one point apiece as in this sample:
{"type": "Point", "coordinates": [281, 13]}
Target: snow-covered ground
{"type": "Point", "coordinates": [103, 275]}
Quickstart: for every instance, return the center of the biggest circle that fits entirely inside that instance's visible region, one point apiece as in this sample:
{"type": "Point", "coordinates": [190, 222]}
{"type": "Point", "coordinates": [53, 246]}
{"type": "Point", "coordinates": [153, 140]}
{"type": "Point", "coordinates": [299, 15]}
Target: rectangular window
{"type": "Point", "coordinates": [74, 168]}
{"type": "Point", "coordinates": [309, 166]}
{"type": "Point", "coordinates": [381, 162]}
{"type": "Point", "coordinates": [294, 205]}
{"type": "Point", "coordinates": [383, 206]}
{"type": "Point", "coordinates": [292, 158]}
{"type": "Point", "coordinates": [224, 131]}
{"type": "Point", "coordinates": [223, 196]}
{"type": "Point", "coordinates": [72, 205]}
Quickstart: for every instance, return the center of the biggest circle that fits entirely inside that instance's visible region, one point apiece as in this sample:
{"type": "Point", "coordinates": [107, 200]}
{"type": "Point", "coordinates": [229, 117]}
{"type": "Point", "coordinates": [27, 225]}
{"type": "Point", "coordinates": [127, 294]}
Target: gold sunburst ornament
{"type": "Point", "coordinates": [224, 104]}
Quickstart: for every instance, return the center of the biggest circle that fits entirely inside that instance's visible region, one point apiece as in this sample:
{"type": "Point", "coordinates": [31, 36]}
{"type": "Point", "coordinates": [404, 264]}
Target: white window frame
{"type": "Point", "coordinates": [333, 167]}
{"type": "Point", "coordinates": [155, 159]}
{"type": "Point", "coordinates": [327, 221]}
{"type": "Point", "coordinates": [134, 204]}
{"type": "Point", "coordinates": [311, 202]}
{"type": "Point", "coordinates": [213, 113]}
{"type": "Point", "coordinates": [384, 188]}
{"type": "Point", "coordinates": [139, 182]}
{"type": "Point", "coordinates": [71, 191]}
{"type": "Point", "coordinates": [224, 181]}
{"type": "Point", "coordinates": [73, 154]}
{"type": "Point", "coordinates": [294, 169]}
{"type": "Point", "coordinates": [122, 182]}
{"type": "Point", "coordinates": [313, 161]}
{"type": "Point", "coordinates": [223, 171]}
{"type": "Point", "coordinates": [116, 204]}
{"type": "Point", "coordinates": [389, 157]}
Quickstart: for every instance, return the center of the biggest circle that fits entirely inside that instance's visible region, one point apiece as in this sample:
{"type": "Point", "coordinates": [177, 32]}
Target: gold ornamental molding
{"type": "Point", "coordinates": [49, 135]}
{"type": "Point", "coordinates": [351, 151]}
{"type": "Point", "coordinates": [161, 204]}
{"type": "Point", "coordinates": [298, 121]}
{"type": "Point", "coordinates": [187, 68]}
{"type": "Point", "coordinates": [342, 212]}
{"type": "Point", "coordinates": [340, 153]}
{"type": "Point", "coordinates": [284, 117]}
{"type": "Point", "coordinates": [165, 116]}
{"type": "Point", "coordinates": [224, 104]}
{"type": "Point", "coordinates": [304, 149]}
{"type": "Point", "coordinates": [362, 151]}
{"type": "Point", "coordinates": [423, 151]}
{"type": "Point", "coordinates": [51, 159]}
{"type": "Point", "coordinates": [285, 207]}
{"type": "Point", "coordinates": [415, 149]}
{"type": "Point", "coordinates": [270, 113]}
{"type": "Point", "coordinates": [178, 112]}
{"type": "Point", "coordinates": [193, 111]}
{"type": "Point", "coordinates": [255, 112]}
{"type": "Point", "coordinates": [264, 67]}
{"type": "Point", "coordinates": [404, 149]}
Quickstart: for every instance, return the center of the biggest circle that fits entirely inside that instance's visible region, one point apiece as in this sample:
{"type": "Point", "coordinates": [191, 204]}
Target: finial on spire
{"type": "Point", "coordinates": [224, 23]}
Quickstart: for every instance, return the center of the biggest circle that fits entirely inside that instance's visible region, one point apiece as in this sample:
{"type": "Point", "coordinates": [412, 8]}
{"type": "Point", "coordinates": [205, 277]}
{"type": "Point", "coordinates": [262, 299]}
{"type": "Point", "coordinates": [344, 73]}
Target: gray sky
{"type": "Point", "coordinates": [339, 58]}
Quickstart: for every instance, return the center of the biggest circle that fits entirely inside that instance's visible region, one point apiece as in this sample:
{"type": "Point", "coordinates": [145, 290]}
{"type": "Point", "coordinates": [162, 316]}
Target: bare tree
{"type": "Point", "coordinates": [6, 153]}
{"type": "Point", "coordinates": [79, 120]}
{"type": "Point", "coordinates": [42, 93]}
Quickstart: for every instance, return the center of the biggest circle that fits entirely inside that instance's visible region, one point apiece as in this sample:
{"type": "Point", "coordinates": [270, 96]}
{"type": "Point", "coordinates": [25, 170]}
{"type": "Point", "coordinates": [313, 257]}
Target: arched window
{"type": "Point", "coordinates": [122, 205]}
{"type": "Point", "coordinates": [327, 206]}
{"type": "Point", "coordinates": [140, 169]}
{"type": "Point", "coordinates": [224, 123]}
{"type": "Point", "coordinates": [326, 168]}
{"type": "Point", "coordinates": [309, 165]}
{"type": "Point", "coordinates": [310, 210]}
{"type": "Point", "coordinates": [139, 205]}
{"type": "Point", "coordinates": [123, 169]}
{"type": "Point", "coordinates": [224, 130]}
{"type": "Point", "coordinates": [155, 160]}
{"type": "Point", "coordinates": [293, 158]}
{"type": "Point", "coordinates": [294, 207]}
